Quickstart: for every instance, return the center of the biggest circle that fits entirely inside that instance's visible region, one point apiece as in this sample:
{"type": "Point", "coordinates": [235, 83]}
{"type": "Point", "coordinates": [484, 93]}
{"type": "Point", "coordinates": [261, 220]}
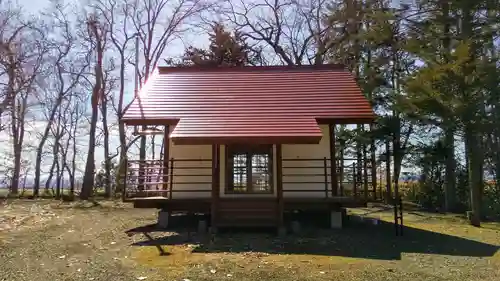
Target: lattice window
{"type": "Point", "coordinates": [240, 172]}
{"type": "Point", "coordinates": [249, 169]}
{"type": "Point", "coordinates": [261, 176]}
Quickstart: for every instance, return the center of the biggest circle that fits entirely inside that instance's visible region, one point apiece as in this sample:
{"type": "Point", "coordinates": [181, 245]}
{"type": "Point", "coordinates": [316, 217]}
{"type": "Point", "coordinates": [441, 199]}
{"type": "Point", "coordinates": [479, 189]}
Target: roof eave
{"type": "Point", "coordinates": [206, 140]}
{"type": "Point", "coordinates": [347, 120]}
{"type": "Point", "coordinates": [149, 121]}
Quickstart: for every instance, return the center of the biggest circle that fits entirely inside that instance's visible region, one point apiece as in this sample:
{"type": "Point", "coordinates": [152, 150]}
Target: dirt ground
{"type": "Point", "coordinates": [46, 240]}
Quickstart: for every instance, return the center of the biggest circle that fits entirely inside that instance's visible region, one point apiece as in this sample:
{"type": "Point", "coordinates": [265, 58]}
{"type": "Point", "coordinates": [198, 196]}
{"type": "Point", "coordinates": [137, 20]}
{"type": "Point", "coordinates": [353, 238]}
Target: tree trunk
{"type": "Point", "coordinates": [388, 193]}
{"type": "Point", "coordinates": [397, 154]}
{"type": "Point", "coordinates": [64, 166]}
{"type": "Point", "coordinates": [18, 113]}
{"type": "Point", "coordinates": [39, 151]}
{"type": "Point", "coordinates": [121, 177]}
{"type": "Point", "coordinates": [473, 150]}
{"type": "Point", "coordinates": [72, 180]}
{"type": "Point", "coordinates": [450, 183]}
{"type": "Point", "coordinates": [449, 130]}
{"type": "Point", "coordinates": [38, 168]}
{"type": "Point", "coordinates": [88, 177]}
{"type": "Point", "coordinates": [51, 175]}
{"type": "Point", "coordinates": [107, 163]}
{"type": "Point", "coordinates": [497, 162]}
{"type": "Point", "coordinates": [97, 92]}
{"type": "Point", "coordinates": [60, 175]}
{"type": "Point", "coordinates": [14, 186]}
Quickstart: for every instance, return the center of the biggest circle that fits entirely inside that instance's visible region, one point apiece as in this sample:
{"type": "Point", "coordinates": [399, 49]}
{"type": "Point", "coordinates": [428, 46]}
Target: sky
{"type": "Point", "coordinates": [35, 7]}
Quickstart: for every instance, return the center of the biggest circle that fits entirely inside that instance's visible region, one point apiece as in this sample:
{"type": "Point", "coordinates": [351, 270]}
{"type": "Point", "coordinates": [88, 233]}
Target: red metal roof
{"type": "Point", "coordinates": [277, 104]}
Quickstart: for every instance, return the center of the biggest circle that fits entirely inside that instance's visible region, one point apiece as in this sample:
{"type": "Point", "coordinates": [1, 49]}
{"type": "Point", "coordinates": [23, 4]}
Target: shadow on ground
{"type": "Point", "coordinates": [356, 240]}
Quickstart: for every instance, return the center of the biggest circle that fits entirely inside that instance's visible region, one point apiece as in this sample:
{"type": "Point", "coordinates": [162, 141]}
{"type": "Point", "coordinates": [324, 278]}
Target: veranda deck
{"type": "Point", "coordinates": [204, 204]}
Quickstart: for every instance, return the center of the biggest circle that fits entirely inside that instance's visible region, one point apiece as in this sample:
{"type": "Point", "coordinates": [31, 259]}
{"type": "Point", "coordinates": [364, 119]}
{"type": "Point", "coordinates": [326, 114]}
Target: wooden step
{"type": "Point", "coordinates": [247, 212]}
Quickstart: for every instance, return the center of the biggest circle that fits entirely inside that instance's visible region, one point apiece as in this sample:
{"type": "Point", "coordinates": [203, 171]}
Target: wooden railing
{"type": "Point", "coordinates": [152, 178]}
{"type": "Point", "coordinates": [301, 177]}
{"type": "Point", "coordinates": [313, 175]}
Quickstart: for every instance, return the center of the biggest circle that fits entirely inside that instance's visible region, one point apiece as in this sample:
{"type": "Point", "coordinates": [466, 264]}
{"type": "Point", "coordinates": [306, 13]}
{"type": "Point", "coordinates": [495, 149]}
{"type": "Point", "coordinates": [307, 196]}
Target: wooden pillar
{"type": "Point", "coordinates": [373, 163]}
{"type": "Point", "coordinates": [279, 185]}
{"type": "Point", "coordinates": [215, 182]}
{"type": "Point", "coordinates": [333, 160]}
{"type": "Point", "coordinates": [354, 180]}
{"type": "Point", "coordinates": [171, 181]}
{"type": "Point", "coordinates": [365, 170]}
{"type": "Point", "coordinates": [124, 178]}
{"type": "Point", "coordinates": [166, 157]}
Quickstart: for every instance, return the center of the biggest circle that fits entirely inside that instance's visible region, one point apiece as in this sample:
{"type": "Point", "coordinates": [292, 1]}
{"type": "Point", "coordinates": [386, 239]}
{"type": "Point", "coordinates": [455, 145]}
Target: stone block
{"type": "Point", "coordinates": [336, 220]}
{"type": "Point", "coordinates": [202, 226]}
{"type": "Point", "coordinates": [163, 217]}
{"type": "Point", "coordinates": [295, 225]}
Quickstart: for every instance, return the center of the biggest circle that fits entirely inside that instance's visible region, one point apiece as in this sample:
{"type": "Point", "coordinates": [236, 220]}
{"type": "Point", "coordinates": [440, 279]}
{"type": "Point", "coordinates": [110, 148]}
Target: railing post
{"type": "Point", "coordinates": [333, 161]}
{"type": "Point", "coordinates": [124, 178]}
{"type": "Point", "coordinates": [166, 155]}
{"type": "Point", "coordinates": [325, 170]}
{"type": "Point", "coordinates": [214, 208]}
{"type": "Point", "coordinates": [171, 178]}
{"type": "Point", "coordinates": [365, 174]}
{"type": "Point", "coordinates": [373, 165]}
{"type": "Point", "coordinates": [279, 188]}
{"type": "Point", "coordinates": [342, 169]}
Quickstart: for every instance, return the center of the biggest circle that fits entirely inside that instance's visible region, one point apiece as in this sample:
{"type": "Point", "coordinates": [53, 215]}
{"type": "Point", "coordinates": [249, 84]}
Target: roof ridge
{"type": "Point", "coordinates": [204, 68]}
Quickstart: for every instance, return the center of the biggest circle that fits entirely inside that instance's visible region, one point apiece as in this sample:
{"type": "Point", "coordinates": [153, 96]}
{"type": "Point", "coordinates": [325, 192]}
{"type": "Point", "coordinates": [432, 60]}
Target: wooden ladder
{"type": "Point", "coordinates": [398, 215]}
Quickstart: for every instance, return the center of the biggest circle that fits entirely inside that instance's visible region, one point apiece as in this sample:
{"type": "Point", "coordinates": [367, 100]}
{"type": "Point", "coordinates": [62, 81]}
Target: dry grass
{"type": "Point", "coordinates": [48, 241]}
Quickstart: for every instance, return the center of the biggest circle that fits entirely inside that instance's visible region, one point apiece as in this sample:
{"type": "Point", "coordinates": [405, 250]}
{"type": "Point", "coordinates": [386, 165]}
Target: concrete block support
{"type": "Point", "coordinates": [295, 226]}
{"type": "Point", "coordinates": [336, 219]}
{"type": "Point", "coordinates": [163, 217]}
{"type": "Point", "coordinates": [202, 226]}
{"type": "Point", "coordinates": [281, 231]}
{"type": "Point", "coordinates": [212, 230]}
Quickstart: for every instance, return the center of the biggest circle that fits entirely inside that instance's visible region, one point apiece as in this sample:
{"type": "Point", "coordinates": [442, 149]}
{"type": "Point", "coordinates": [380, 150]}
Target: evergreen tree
{"type": "Point", "coordinates": [225, 49]}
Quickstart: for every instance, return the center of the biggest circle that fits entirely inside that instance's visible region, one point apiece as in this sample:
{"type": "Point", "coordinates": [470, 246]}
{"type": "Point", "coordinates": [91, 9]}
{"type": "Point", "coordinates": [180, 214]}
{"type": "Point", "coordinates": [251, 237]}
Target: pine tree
{"type": "Point", "coordinates": [450, 88]}
{"type": "Point", "coordinates": [225, 49]}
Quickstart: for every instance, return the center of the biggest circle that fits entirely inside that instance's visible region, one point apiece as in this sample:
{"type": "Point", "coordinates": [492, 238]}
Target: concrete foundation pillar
{"type": "Point", "coordinates": [163, 217]}
{"type": "Point", "coordinates": [212, 230]}
{"type": "Point", "coordinates": [281, 231]}
{"type": "Point", "coordinates": [202, 226]}
{"type": "Point", "coordinates": [336, 219]}
{"type": "Point", "coordinates": [295, 226]}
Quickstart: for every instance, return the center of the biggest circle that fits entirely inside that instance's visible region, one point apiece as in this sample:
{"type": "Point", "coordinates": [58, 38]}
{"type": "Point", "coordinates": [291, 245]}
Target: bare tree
{"type": "Point", "coordinates": [69, 150]}
{"type": "Point", "coordinates": [18, 112]}
{"type": "Point", "coordinates": [97, 38]}
{"type": "Point", "coordinates": [156, 24]}
{"type": "Point", "coordinates": [108, 82]}
{"type": "Point", "coordinates": [22, 51]}
{"type": "Point", "coordinates": [12, 27]}
{"type": "Point", "coordinates": [293, 32]}
{"type": "Point", "coordinates": [65, 72]}
{"type": "Point", "coordinates": [149, 24]}
{"type": "Point", "coordinates": [117, 16]}
{"type": "Point", "coordinates": [58, 133]}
